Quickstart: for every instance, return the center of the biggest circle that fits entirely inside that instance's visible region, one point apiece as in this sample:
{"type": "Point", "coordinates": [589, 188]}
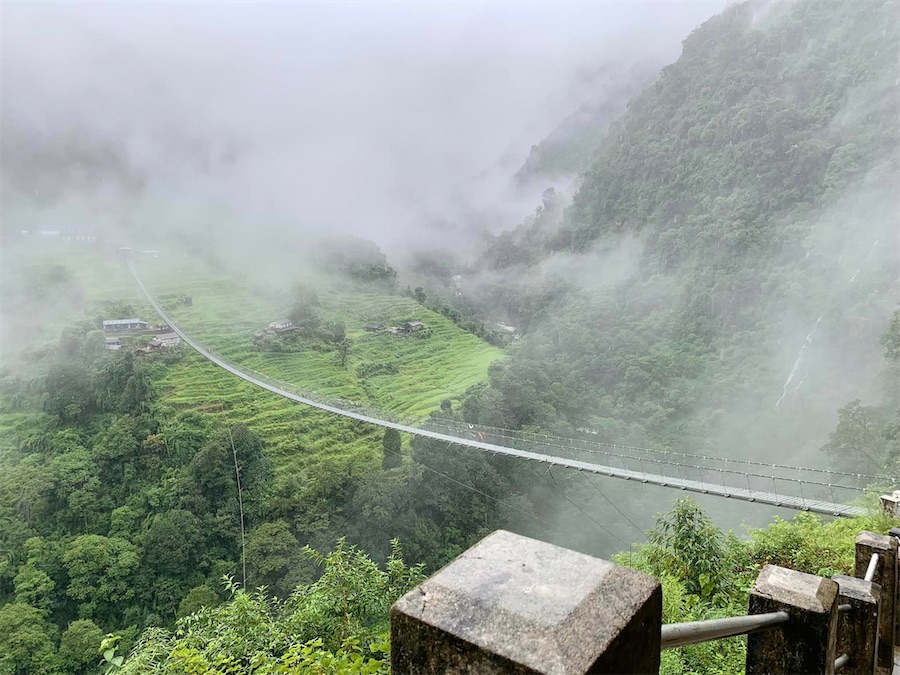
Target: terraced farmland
{"type": "Point", "coordinates": [296, 437]}
{"type": "Point", "coordinates": [227, 312]}
{"type": "Point", "coordinates": [424, 369]}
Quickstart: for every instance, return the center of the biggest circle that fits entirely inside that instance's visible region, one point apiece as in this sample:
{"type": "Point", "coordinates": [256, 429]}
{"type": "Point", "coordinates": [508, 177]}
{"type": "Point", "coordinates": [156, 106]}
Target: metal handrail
{"type": "Point", "coordinates": [693, 632]}
{"type": "Point", "coordinates": [873, 563]}
{"type": "Point", "coordinates": [675, 635]}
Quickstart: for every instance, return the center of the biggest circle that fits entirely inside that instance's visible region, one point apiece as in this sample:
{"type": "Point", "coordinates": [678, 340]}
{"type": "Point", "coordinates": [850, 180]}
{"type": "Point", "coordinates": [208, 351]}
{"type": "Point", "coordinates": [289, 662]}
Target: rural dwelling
{"type": "Point", "coordinates": [114, 325]}
{"type": "Point", "coordinates": [160, 341]}
{"type": "Point", "coordinates": [413, 326]}
{"type": "Point", "coordinates": [79, 234]}
{"type": "Point", "coordinates": [113, 343]}
{"type": "Point", "coordinates": [168, 339]}
{"type": "Point", "coordinates": [374, 328]}
{"type": "Point", "coordinates": [280, 326]}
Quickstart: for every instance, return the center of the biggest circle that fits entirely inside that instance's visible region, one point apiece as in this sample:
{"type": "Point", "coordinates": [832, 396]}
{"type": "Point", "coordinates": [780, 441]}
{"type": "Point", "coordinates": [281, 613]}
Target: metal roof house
{"type": "Point", "coordinates": [280, 326]}
{"type": "Point", "coordinates": [168, 339]}
{"type": "Point", "coordinates": [413, 326]}
{"type": "Point", "coordinates": [124, 324]}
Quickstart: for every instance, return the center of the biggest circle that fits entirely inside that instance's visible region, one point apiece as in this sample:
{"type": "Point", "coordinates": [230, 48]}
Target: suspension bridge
{"type": "Point", "coordinates": [791, 487]}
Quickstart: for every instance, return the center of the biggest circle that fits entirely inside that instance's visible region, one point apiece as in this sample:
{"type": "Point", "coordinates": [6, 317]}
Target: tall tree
{"type": "Point", "coordinates": [392, 445]}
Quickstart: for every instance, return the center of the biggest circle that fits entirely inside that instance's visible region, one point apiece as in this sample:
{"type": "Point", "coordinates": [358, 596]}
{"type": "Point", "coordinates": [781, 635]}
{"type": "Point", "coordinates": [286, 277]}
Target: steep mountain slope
{"type": "Point", "coordinates": [724, 273]}
{"type": "Point", "coordinates": [570, 148]}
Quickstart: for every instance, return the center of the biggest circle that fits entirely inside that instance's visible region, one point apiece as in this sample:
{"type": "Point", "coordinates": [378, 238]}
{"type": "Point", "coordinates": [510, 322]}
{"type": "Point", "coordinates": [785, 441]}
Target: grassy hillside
{"type": "Point", "coordinates": [89, 283]}
{"type": "Point", "coordinates": [225, 315]}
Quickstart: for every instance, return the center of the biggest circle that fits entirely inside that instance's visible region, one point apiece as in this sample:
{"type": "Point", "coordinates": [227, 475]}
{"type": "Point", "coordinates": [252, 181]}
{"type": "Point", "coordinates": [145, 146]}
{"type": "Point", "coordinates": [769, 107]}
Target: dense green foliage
{"type": "Point", "coordinates": [338, 624]}
{"type": "Point", "coordinates": [704, 573]}
{"type": "Point", "coordinates": [707, 574]}
{"type": "Point", "coordinates": [572, 146]}
{"type": "Point", "coordinates": [733, 229]}
{"type": "Point", "coordinates": [120, 500]}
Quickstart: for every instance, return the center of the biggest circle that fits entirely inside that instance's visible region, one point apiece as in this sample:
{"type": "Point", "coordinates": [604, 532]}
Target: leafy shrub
{"type": "Point", "coordinates": [334, 626]}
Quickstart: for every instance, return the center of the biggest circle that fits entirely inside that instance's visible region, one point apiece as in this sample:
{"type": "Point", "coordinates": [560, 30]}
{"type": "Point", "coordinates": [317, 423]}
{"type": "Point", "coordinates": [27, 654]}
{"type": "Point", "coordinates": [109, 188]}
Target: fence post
{"type": "Point", "coordinates": [805, 643]}
{"type": "Point", "coordinates": [885, 546]}
{"type": "Point", "coordinates": [895, 533]}
{"type": "Point", "coordinates": [511, 604]}
{"type": "Point", "coordinates": [857, 634]}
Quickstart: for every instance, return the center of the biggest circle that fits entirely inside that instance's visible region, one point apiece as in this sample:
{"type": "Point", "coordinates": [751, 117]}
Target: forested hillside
{"type": "Point", "coordinates": [723, 276]}
{"type": "Point", "coordinates": [570, 148]}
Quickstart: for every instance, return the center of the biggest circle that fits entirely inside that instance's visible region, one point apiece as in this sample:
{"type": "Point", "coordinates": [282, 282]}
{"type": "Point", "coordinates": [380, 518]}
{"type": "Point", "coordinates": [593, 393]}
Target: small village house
{"type": "Point", "coordinates": [280, 326]}
{"type": "Point", "coordinates": [114, 325]}
{"type": "Point", "coordinates": [168, 339]}
{"type": "Point", "coordinates": [413, 326]}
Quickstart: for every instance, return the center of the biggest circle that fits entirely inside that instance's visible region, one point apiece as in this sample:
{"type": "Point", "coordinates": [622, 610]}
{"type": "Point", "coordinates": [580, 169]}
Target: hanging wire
{"type": "Point", "coordinates": [613, 504]}
{"type": "Point", "coordinates": [552, 483]}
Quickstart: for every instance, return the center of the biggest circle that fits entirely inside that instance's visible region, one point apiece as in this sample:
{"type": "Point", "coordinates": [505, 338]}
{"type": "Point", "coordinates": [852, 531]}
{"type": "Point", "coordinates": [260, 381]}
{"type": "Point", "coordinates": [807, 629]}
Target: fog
{"type": "Point", "coordinates": [398, 122]}
{"type": "Point", "coordinates": [699, 296]}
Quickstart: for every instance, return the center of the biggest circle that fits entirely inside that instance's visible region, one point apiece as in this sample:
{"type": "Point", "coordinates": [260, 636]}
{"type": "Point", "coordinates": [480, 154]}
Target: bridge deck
{"type": "Point", "coordinates": [698, 486]}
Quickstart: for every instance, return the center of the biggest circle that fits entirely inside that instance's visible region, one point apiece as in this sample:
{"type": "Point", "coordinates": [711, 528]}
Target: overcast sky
{"type": "Point", "coordinates": [360, 116]}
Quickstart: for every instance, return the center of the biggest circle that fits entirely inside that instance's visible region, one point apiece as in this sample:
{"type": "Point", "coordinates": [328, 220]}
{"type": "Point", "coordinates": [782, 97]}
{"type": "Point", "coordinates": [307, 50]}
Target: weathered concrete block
{"type": "Point", "coordinates": [890, 504]}
{"type": "Point", "coordinates": [805, 643]}
{"type": "Point", "coordinates": [511, 604]}
{"type": "Point", "coordinates": [885, 546]}
{"type": "Point", "coordinates": [857, 634]}
{"type": "Point", "coordinates": [895, 533]}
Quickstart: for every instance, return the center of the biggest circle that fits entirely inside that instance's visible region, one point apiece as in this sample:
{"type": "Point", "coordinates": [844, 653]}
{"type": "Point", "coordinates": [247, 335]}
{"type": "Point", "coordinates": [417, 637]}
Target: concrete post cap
{"type": "Point", "coordinates": [532, 605]}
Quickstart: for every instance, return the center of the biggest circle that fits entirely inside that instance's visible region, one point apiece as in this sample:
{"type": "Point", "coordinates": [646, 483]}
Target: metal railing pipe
{"type": "Point", "coordinates": [692, 632]}
{"type": "Point", "coordinates": [873, 563]}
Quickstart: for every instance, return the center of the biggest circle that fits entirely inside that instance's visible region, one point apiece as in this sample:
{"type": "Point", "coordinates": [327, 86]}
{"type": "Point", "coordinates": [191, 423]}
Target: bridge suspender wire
{"type": "Point", "coordinates": [516, 435]}
{"type": "Point", "coordinates": [561, 493]}
{"type": "Point", "coordinates": [485, 494]}
{"type": "Point", "coordinates": [379, 419]}
{"type": "Point", "coordinates": [613, 504]}
{"type": "Point", "coordinates": [519, 434]}
{"type": "Point", "coordinates": [662, 462]}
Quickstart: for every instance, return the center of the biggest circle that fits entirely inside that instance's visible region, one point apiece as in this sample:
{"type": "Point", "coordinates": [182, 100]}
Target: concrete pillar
{"type": "Point", "coordinates": [895, 533]}
{"type": "Point", "coordinates": [857, 634]}
{"type": "Point", "coordinates": [890, 504]}
{"type": "Point", "coordinates": [511, 604]}
{"type": "Point", "coordinates": [885, 546]}
{"type": "Point", "coordinates": [806, 642]}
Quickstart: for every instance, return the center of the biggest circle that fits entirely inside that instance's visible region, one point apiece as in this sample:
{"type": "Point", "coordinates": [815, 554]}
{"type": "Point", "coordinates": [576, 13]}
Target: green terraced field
{"type": "Point", "coordinates": [227, 312]}
{"type": "Point", "coordinates": [225, 315]}
{"type": "Point", "coordinates": [296, 436]}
